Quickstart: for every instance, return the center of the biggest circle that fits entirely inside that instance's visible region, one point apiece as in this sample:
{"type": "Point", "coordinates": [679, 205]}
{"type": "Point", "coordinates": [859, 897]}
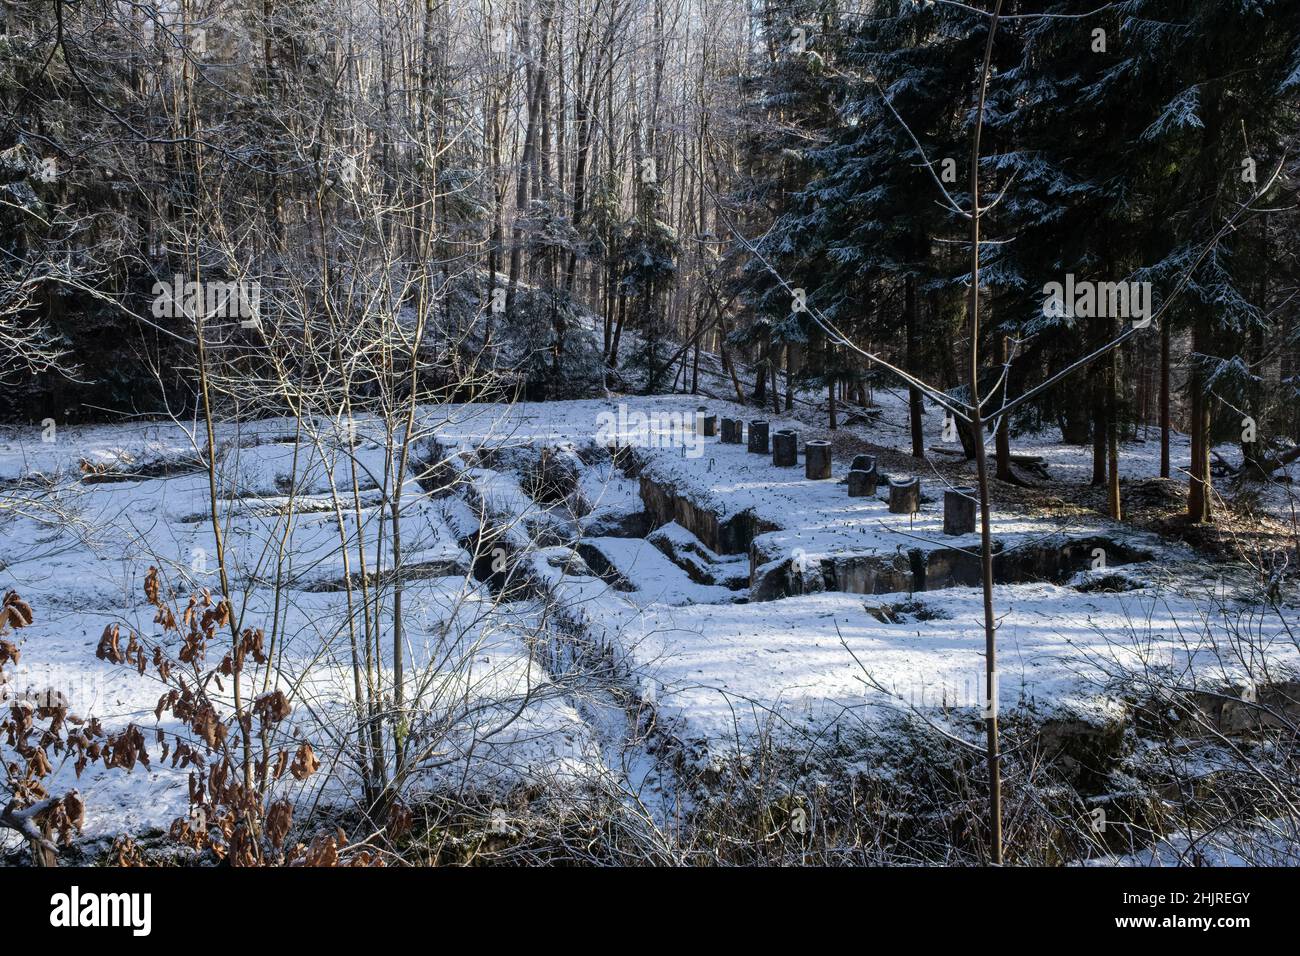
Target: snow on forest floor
{"type": "Point", "coordinates": [1269, 843]}
{"type": "Point", "coordinates": [724, 673]}
{"type": "Point", "coordinates": [713, 659]}
{"type": "Point", "coordinates": [716, 668]}
{"type": "Point", "coordinates": [84, 568]}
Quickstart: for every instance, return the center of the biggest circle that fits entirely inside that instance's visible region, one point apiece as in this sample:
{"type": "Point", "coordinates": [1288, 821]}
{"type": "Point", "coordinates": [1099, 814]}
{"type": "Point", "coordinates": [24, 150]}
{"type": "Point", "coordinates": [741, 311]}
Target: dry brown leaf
{"type": "Point", "coordinates": [278, 820]}
{"type": "Point", "coordinates": [304, 763]}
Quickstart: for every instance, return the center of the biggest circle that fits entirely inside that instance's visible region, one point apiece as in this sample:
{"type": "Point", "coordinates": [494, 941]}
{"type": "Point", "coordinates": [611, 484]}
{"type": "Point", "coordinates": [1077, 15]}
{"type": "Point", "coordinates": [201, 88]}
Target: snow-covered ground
{"type": "Point", "coordinates": [796, 666]}
{"type": "Point", "coordinates": [82, 567]}
{"type": "Point", "coordinates": [1269, 843]}
{"type": "Point", "coordinates": [512, 726]}
{"type": "Point", "coordinates": [716, 668]}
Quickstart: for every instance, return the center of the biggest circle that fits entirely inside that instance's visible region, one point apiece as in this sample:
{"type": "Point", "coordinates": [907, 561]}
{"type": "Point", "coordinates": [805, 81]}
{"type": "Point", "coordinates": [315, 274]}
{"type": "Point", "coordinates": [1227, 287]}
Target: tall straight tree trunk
{"type": "Point", "coordinates": [497, 239]}
{"type": "Point", "coordinates": [621, 309]}
{"type": "Point", "coordinates": [1199, 492]}
{"type": "Point", "coordinates": [583, 128]}
{"type": "Point", "coordinates": [1112, 429]}
{"type": "Point", "coordinates": [695, 367]}
{"type": "Point", "coordinates": [533, 94]}
{"type": "Point", "coordinates": [830, 382]}
{"type": "Point", "coordinates": [791, 363]}
{"type": "Point", "coordinates": [915, 410]}
{"type": "Point", "coordinates": [1164, 399]}
{"type": "Point", "coordinates": [1097, 393]}
{"type": "Point", "coordinates": [776, 392]}
{"type": "Point", "coordinates": [1003, 434]}
{"type": "Point", "coordinates": [993, 754]}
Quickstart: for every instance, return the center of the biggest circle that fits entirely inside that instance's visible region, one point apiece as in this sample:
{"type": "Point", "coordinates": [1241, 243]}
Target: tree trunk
{"type": "Point", "coordinates": [760, 372]}
{"type": "Point", "coordinates": [1003, 436]}
{"type": "Point", "coordinates": [830, 382]}
{"type": "Point", "coordinates": [915, 410]}
{"type": "Point", "coordinates": [533, 89]}
{"type": "Point", "coordinates": [791, 361]}
{"type": "Point", "coordinates": [1164, 398]}
{"type": "Point", "coordinates": [1112, 429]}
{"type": "Point", "coordinates": [1097, 394]}
{"type": "Point", "coordinates": [1199, 491]}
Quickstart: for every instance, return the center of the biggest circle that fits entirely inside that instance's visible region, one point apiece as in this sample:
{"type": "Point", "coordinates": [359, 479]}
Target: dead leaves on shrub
{"type": "Point", "coordinates": [126, 749]}
{"type": "Point", "coordinates": [152, 591]}
{"type": "Point", "coordinates": [109, 649]}
{"type": "Point", "coordinates": [279, 817]}
{"type": "Point", "coordinates": [272, 708]}
{"type": "Point", "coordinates": [14, 612]}
{"type": "Point", "coordinates": [28, 747]}
{"type": "Point", "coordinates": [326, 849]}
{"type": "Point", "coordinates": [64, 817]}
{"type": "Point", "coordinates": [228, 816]}
{"type": "Point", "coordinates": [250, 645]}
{"type": "Point", "coordinates": [304, 762]}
